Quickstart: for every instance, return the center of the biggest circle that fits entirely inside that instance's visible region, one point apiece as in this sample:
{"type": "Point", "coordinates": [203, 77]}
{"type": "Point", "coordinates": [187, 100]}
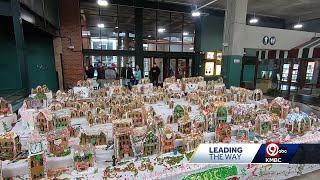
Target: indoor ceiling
{"type": "Point", "coordinates": [290, 10]}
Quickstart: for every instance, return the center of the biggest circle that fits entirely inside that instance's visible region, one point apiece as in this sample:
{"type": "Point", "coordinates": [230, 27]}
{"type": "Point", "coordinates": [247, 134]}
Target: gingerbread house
{"type": "Point", "coordinates": [137, 117]}
{"type": "Point", "coordinates": [167, 140]}
{"type": "Point", "coordinates": [243, 134]}
{"type": "Point", "coordinates": [58, 142]}
{"type": "Point", "coordinates": [192, 141]}
{"type": "Point", "coordinates": [257, 95]}
{"type": "Point", "coordinates": [122, 130]}
{"type": "Point", "coordinates": [221, 115]}
{"type": "Point", "coordinates": [275, 122]}
{"type": "Point", "coordinates": [37, 158]}
{"type": "Point", "coordinates": [62, 118]}
{"type": "Point", "coordinates": [184, 125]}
{"type": "Point", "coordinates": [200, 123]}
{"type": "Point", "coordinates": [223, 132]}
{"type": "Point", "coordinates": [101, 117]}
{"type": "Point", "coordinates": [95, 138]}
{"type": "Point", "coordinates": [44, 121]}
{"type": "Point", "coordinates": [263, 124]}
{"type": "Point", "coordinates": [280, 106]}
{"type": "Point", "coordinates": [10, 145]}
{"type": "Point", "coordinates": [298, 122]}
{"type": "Point", "coordinates": [138, 135]}
{"type": "Point", "coordinates": [241, 96]}
{"type": "Point", "coordinates": [178, 112]}
{"type": "Point", "coordinates": [151, 144]}
{"type": "Point", "coordinates": [84, 157]}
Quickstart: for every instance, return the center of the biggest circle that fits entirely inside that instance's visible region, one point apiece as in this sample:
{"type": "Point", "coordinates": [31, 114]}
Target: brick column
{"type": "Point", "coordinates": [70, 27]}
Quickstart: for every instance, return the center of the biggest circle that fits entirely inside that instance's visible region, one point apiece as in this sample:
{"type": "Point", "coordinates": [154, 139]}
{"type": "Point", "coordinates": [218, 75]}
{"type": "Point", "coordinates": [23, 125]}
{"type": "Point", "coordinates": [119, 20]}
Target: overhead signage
{"type": "Point", "coordinates": [272, 40]}
{"type": "Point", "coordinates": [236, 61]}
{"type": "Point", "coordinates": [266, 40]}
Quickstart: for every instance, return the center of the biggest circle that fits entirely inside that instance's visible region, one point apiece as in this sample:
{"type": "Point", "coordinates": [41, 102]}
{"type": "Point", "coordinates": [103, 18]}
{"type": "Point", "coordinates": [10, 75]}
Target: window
{"type": "Point", "coordinates": [167, 31]}
{"type": "Point", "coordinates": [116, 30]}
{"type": "Point", "coordinates": [310, 70]}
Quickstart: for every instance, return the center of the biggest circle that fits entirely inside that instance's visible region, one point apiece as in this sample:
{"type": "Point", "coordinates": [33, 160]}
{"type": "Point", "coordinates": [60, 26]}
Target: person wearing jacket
{"type": "Point", "coordinates": [137, 75]}
{"type": "Point", "coordinates": [100, 77]}
{"type": "Point", "coordinates": [155, 72]}
{"type": "Point", "coordinates": [127, 75]}
{"type": "Point", "coordinates": [110, 74]}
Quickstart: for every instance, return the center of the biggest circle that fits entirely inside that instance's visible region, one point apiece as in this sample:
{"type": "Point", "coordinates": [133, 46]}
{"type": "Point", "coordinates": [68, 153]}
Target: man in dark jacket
{"type": "Point", "coordinates": [127, 76]}
{"type": "Point", "coordinates": [100, 77]}
{"type": "Point", "coordinates": [155, 72]}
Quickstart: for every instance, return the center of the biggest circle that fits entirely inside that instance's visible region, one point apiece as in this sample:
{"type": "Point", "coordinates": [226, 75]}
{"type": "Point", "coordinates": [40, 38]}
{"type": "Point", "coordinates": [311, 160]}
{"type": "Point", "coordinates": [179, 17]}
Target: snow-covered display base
{"type": "Point", "coordinates": [161, 166]}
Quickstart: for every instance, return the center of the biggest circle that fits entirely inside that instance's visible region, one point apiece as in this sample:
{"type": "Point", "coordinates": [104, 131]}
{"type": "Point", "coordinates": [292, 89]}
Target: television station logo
{"type": "Point", "coordinates": [273, 152]}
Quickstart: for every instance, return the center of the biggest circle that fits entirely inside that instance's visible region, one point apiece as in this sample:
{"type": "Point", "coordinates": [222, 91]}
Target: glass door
{"type": "Point", "coordinates": [172, 68]}
{"type": "Point", "coordinates": [310, 70]}
{"type": "Point", "coordinates": [182, 68]}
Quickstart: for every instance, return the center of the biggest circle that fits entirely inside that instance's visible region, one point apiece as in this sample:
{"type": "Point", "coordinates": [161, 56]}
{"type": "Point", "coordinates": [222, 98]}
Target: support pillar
{"type": "Point", "coordinates": [234, 27]}
{"type": "Point", "coordinates": [197, 60]}
{"type": "Point", "coordinates": [19, 37]}
{"type": "Point", "coordinates": [139, 38]}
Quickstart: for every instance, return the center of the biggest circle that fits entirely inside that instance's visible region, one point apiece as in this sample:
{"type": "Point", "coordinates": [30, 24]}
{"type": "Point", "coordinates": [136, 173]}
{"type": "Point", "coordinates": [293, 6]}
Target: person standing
{"type": "Point", "coordinates": [110, 74]}
{"type": "Point", "coordinates": [137, 75]}
{"type": "Point", "coordinates": [114, 68]}
{"type": "Point", "coordinates": [127, 75]}
{"type": "Point", "coordinates": [89, 72]}
{"type": "Point", "coordinates": [155, 72]}
{"type": "Point", "coordinates": [100, 77]}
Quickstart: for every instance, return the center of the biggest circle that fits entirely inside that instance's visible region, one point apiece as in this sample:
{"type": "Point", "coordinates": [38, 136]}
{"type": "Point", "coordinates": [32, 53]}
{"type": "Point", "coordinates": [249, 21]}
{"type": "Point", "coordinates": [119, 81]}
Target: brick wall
{"type": "Point", "coordinates": [70, 27]}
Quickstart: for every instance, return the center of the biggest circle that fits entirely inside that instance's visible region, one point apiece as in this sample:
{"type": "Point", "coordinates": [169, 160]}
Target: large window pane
{"type": "Point", "coordinates": [116, 32]}
{"type": "Point", "coordinates": [167, 31]}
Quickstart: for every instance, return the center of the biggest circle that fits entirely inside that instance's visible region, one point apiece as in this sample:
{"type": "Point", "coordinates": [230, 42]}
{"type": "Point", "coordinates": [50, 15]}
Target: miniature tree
{"type": "Point", "coordinates": [5, 127]}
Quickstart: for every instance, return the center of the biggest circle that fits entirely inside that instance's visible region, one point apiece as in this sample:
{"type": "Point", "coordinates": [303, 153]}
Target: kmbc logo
{"type": "Point", "coordinates": [273, 152]}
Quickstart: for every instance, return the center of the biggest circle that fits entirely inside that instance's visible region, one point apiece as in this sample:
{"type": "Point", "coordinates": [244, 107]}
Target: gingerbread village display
{"type": "Point", "coordinates": [105, 127]}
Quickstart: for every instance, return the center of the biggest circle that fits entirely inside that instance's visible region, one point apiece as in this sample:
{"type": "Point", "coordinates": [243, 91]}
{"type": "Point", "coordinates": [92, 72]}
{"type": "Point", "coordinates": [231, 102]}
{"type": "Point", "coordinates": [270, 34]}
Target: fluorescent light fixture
{"type": "Point", "coordinates": [85, 33]}
{"type": "Point", "coordinates": [196, 13]}
{"type": "Point", "coordinates": [101, 25]}
{"type": "Point", "coordinates": [149, 36]}
{"type": "Point", "coordinates": [185, 33]}
{"type": "Point", "coordinates": [254, 20]}
{"type": "Point", "coordinates": [116, 27]}
{"type": "Point", "coordinates": [161, 30]}
{"type": "Point", "coordinates": [191, 48]}
{"type": "Point", "coordinates": [298, 26]}
{"type": "Point", "coordinates": [103, 3]}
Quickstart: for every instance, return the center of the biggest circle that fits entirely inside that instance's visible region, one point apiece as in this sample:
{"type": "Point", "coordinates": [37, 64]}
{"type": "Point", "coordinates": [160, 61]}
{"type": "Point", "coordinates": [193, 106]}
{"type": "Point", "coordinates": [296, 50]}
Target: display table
{"type": "Point", "coordinates": [161, 166]}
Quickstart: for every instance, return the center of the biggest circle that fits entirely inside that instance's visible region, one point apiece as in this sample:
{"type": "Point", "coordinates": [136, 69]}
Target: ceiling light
{"type": "Point", "coordinates": [101, 25]}
{"type": "Point", "coordinates": [161, 30]}
{"type": "Point", "coordinates": [253, 20]}
{"type": "Point", "coordinates": [116, 27]}
{"type": "Point", "coordinates": [196, 13]}
{"type": "Point", "coordinates": [102, 3]}
{"type": "Point", "coordinates": [185, 33]}
{"type": "Point", "coordinates": [149, 36]}
{"type": "Point", "coordinates": [191, 48]}
{"type": "Point", "coordinates": [298, 26]}
{"type": "Point", "coordinates": [85, 33]}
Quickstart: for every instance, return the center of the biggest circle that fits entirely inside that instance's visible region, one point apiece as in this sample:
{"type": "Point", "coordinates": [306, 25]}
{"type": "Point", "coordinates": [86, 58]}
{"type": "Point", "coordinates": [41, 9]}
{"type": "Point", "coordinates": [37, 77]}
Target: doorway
{"type": "Point", "coordinates": [148, 64]}
{"type": "Point", "coordinates": [179, 67]}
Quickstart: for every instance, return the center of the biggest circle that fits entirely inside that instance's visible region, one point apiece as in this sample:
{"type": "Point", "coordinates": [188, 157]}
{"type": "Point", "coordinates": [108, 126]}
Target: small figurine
{"type": "Point", "coordinates": [114, 160]}
{"type": "Point", "coordinates": [175, 150]}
